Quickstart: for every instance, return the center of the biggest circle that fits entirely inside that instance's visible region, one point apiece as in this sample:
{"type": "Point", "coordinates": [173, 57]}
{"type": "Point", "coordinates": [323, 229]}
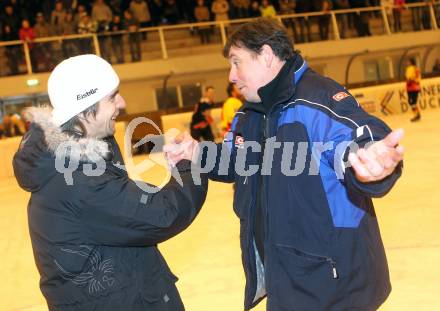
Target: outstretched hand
{"type": "Point", "coordinates": [379, 159]}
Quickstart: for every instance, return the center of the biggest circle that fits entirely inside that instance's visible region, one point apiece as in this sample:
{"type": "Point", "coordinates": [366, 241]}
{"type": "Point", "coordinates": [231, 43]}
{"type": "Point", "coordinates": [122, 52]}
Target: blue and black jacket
{"type": "Point", "coordinates": [322, 248]}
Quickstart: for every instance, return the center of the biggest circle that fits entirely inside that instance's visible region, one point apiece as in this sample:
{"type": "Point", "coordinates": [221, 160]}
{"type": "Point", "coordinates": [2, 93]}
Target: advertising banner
{"type": "Point", "coordinates": [382, 100]}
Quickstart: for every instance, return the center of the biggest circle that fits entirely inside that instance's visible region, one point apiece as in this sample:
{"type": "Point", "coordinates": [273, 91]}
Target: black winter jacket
{"type": "Point", "coordinates": [94, 237]}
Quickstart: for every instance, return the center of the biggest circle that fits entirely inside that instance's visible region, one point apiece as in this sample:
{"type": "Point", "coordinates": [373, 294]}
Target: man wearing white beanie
{"type": "Point", "coordinates": [94, 231]}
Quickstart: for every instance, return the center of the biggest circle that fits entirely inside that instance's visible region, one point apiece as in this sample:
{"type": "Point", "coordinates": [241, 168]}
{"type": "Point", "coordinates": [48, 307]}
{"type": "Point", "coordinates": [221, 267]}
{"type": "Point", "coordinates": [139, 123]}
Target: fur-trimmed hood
{"type": "Point", "coordinates": [54, 137]}
{"type": "Point", "coordinates": [45, 143]}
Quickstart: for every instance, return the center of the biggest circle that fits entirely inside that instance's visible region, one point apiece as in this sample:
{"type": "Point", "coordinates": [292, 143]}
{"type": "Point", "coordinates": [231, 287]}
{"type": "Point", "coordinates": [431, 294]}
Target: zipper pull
{"type": "Point", "coordinates": [245, 180]}
{"type": "Point", "coordinates": [335, 273]}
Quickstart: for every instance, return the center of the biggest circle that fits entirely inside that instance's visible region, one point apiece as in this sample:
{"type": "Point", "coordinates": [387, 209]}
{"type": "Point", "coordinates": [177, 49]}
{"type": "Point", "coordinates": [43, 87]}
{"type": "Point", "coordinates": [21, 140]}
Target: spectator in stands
{"type": "Point", "coordinates": [27, 34]}
{"type": "Point", "coordinates": [11, 18]}
{"type": "Point", "coordinates": [69, 46]}
{"type": "Point", "coordinates": [43, 50]}
{"type": "Point", "coordinates": [86, 26]}
{"type": "Point", "coordinates": [397, 14]}
{"type": "Point", "coordinates": [426, 14]}
{"type": "Point", "coordinates": [436, 67]}
{"type": "Point", "coordinates": [201, 13]}
{"type": "Point", "coordinates": [288, 7]}
{"type": "Point", "coordinates": [254, 9]}
{"type": "Point", "coordinates": [141, 12]}
{"type": "Point", "coordinates": [240, 8]}
{"type": "Point", "coordinates": [303, 7]}
{"type": "Point", "coordinates": [220, 8]}
{"type": "Point", "coordinates": [134, 40]}
{"type": "Point", "coordinates": [57, 18]}
{"type": "Point", "coordinates": [42, 28]}
{"type": "Point", "coordinates": [102, 15]}
{"type": "Point", "coordinates": [413, 77]}
{"type": "Point", "coordinates": [117, 39]}
{"type": "Point", "coordinates": [10, 27]}
{"type": "Point", "coordinates": [416, 14]}
{"type": "Point", "coordinates": [79, 13]}
{"type": "Point", "coordinates": [156, 9]}
{"type": "Point", "coordinates": [361, 22]}
{"type": "Point", "coordinates": [343, 19]}
{"type": "Point", "coordinates": [230, 107]}
{"type": "Point", "coordinates": [267, 9]}
{"type": "Point", "coordinates": [68, 25]}
{"type": "Point", "coordinates": [16, 7]}
{"type": "Point", "coordinates": [171, 12]}
{"type": "Point", "coordinates": [324, 20]}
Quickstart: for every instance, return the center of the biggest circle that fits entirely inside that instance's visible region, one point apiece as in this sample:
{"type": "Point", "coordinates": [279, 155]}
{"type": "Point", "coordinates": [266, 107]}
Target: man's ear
{"type": "Point", "coordinates": [268, 55]}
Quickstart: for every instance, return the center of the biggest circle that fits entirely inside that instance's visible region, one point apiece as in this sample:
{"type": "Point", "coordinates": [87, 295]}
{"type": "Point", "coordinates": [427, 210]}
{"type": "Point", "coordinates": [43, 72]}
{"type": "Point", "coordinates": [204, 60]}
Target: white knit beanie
{"type": "Point", "coordinates": [78, 83]}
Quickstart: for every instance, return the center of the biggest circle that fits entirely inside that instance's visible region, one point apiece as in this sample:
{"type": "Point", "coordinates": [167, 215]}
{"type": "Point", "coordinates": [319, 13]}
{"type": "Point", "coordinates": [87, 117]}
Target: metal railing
{"type": "Point", "coordinates": [163, 42]}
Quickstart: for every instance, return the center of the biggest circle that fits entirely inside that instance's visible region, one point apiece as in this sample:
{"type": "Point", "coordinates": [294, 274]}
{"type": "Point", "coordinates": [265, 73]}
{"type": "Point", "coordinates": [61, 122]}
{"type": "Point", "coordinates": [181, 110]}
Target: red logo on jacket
{"type": "Point", "coordinates": [340, 96]}
{"type": "Point", "coordinates": [239, 142]}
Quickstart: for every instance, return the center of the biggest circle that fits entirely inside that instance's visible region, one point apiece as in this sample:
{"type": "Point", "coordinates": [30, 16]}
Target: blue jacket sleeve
{"type": "Point", "coordinates": [342, 126]}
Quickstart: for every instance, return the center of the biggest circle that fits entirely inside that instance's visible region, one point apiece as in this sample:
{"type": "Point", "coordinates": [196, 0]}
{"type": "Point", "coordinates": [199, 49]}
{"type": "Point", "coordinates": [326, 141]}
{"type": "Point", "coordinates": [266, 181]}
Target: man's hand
{"type": "Point", "coordinates": [379, 159]}
{"type": "Point", "coordinates": [182, 147]}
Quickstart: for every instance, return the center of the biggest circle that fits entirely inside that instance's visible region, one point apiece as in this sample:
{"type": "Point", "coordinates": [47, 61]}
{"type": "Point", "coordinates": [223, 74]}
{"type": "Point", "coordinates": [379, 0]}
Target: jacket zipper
{"type": "Point", "coordinates": [318, 257]}
{"type": "Point", "coordinates": [326, 258]}
{"type": "Point", "coordinates": [265, 136]}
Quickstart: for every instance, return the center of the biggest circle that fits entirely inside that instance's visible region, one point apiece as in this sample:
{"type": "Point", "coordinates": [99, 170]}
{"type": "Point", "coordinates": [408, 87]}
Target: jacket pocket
{"type": "Point", "coordinates": [156, 289]}
{"type": "Point", "coordinates": [301, 263]}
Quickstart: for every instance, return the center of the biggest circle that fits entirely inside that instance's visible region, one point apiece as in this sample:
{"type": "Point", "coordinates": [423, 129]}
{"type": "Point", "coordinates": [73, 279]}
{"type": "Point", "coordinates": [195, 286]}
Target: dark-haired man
{"type": "Point", "coordinates": [94, 231]}
{"type": "Point", "coordinates": [309, 235]}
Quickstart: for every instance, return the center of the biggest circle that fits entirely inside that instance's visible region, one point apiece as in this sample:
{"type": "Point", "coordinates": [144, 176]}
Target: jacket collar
{"type": "Point", "coordinates": [282, 87]}
{"type": "Point", "coordinates": [90, 149]}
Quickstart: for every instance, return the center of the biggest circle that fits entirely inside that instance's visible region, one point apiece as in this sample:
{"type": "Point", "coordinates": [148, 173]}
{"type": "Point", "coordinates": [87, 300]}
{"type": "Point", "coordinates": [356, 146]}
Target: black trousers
{"type": "Point", "coordinates": [412, 98]}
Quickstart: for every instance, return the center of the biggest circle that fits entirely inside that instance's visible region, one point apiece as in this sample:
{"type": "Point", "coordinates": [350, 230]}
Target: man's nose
{"type": "Point", "coordinates": [120, 102]}
{"type": "Point", "coordinates": [232, 75]}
